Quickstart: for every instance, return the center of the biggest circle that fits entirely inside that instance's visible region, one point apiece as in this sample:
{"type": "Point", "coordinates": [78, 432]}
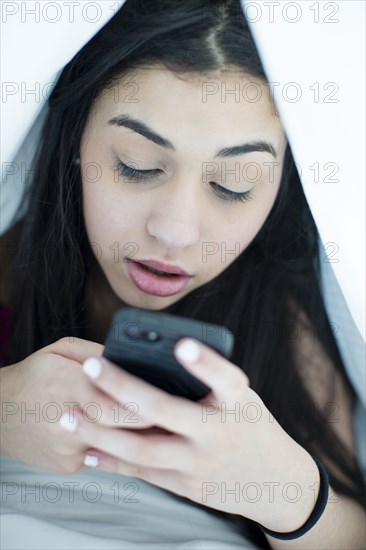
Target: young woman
{"type": "Point", "coordinates": [147, 155]}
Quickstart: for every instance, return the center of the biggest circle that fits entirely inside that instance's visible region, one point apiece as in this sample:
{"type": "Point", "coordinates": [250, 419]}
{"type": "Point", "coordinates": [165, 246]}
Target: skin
{"type": "Point", "coordinates": [170, 217]}
{"type": "Point", "coordinates": [188, 452]}
{"type": "Point", "coordinates": [205, 451]}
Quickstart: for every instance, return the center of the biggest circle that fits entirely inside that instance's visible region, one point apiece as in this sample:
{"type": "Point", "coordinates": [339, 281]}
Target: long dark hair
{"type": "Point", "coordinates": [252, 297]}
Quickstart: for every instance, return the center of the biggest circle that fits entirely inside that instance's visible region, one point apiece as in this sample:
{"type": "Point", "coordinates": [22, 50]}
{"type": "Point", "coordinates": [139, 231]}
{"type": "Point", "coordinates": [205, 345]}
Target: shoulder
{"type": "Point", "coordinates": [9, 243]}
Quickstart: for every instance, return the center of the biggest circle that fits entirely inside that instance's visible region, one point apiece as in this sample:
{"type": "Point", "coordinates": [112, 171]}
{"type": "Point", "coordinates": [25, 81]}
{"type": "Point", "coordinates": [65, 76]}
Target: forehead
{"type": "Point", "coordinates": [226, 105]}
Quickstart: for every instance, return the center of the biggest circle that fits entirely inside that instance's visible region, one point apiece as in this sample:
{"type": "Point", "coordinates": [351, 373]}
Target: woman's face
{"type": "Point", "coordinates": [197, 140]}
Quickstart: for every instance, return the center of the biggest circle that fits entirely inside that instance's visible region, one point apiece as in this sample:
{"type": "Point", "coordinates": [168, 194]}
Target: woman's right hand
{"type": "Point", "coordinates": [35, 393]}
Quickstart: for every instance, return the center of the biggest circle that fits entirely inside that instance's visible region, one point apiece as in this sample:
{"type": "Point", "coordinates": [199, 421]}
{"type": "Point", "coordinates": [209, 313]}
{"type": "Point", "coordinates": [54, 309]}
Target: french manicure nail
{"type": "Point", "coordinates": [68, 423]}
{"type": "Point", "coordinates": [92, 367]}
{"type": "Point", "coordinates": [188, 351]}
{"type": "Point", "coordinates": [91, 461]}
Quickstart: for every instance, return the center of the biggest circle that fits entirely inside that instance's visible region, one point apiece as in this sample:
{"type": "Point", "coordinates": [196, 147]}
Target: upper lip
{"type": "Point", "coordinates": [168, 268]}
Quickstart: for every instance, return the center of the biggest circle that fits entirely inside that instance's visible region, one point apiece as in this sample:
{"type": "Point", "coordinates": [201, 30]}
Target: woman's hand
{"type": "Point", "coordinates": [226, 451]}
{"type": "Point", "coordinates": [35, 393]}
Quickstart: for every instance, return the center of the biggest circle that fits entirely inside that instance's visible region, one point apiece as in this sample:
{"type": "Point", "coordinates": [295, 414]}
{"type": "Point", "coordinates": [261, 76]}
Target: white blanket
{"type": "Point", "coordinates": [94, 509]}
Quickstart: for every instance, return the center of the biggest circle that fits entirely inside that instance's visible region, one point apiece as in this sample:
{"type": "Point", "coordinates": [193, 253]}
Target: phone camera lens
{"type": "Point", "coordinates": [152, 335]}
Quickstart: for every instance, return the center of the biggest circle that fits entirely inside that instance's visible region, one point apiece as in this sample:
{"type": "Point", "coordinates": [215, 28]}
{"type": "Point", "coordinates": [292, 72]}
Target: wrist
{"type": "Point", "coordinates": [299, 498]}
{"type": "Point", "coordinates": [322, 490]}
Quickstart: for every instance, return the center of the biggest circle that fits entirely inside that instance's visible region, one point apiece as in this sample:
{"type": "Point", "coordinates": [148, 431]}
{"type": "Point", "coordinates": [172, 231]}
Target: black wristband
{"type": "Point", "coordinates": [320, 505]}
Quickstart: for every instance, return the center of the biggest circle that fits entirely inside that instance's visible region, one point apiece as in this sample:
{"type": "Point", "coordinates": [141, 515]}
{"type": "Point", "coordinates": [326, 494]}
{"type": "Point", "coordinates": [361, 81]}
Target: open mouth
{"type": "Point", "coordinates": [155, 281]}
{"type": "Point", "coordinates": [157, 271]}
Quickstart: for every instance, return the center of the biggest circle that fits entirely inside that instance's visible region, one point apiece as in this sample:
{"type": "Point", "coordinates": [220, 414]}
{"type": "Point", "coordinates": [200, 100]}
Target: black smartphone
{"type": "Point", "coordinates": [141, 341]}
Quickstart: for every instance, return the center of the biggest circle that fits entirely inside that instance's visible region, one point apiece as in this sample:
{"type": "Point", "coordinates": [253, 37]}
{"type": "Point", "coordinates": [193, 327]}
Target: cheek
{"type": "Point", "coordinates": [262, 203]}
{"type": "Point", "coordinates": [96, 207]}
{"type": "Point", "coordinates": [113, 221]}
{"type": "Point", "coordinates": [102, 216]}
{"type": "Point", "coordinates": [239, 230]}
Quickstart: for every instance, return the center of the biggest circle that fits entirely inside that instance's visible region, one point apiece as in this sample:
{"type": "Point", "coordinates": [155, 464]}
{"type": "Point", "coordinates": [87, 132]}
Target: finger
{"type": "Point", "coordinates": [101, 408]}
{"type": "Point", "coordinates": [148, 450]}
{"type": "Point", "coordinates": [170, 480]}
{"type": "Point", "coordinates": [170, 412]}
{"type": "Point", "coordinates": [74, 348]}
{"type": "Point", "coordinates": [223, 377]}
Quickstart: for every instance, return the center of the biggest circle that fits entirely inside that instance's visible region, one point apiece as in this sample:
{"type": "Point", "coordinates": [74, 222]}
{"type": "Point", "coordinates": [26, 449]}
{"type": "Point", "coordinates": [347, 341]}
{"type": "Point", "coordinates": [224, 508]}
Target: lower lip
{"type": "Point", "coordinates": [157, 285]}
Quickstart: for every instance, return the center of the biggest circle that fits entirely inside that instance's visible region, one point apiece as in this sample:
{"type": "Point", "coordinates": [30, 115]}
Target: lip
{"type": "Point", "coordinates": [168, 268]}
{"type": "Point", "coordinates": [154, 284]}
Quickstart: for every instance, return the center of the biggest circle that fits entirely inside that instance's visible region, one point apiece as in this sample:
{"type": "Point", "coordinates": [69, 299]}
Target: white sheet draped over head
{"type": "Point", "coordinates": [313, 56]}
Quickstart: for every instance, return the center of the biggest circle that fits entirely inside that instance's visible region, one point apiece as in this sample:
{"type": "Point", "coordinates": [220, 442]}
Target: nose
{"type": "Point", "coordinates": [174, 219]}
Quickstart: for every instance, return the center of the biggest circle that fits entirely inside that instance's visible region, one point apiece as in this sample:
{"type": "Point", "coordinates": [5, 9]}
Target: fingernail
{"type": "Point", "coordinates": [68, 422]}
{"type": "Point", "coordinates": [92, 367]}
{"type": "Point", "coordinates": [188, 351]}
{"type": "Point", "coordinates": [91, 460]}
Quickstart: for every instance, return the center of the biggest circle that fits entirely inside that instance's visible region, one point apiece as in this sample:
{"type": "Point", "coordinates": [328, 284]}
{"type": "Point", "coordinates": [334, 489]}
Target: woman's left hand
{"type": "Point", "coordinates": [225, 451]}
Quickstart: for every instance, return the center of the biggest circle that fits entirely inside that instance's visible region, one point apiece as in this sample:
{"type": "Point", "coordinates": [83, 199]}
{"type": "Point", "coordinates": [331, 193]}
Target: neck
{"type": "Point", "coordinates": [101, 304]}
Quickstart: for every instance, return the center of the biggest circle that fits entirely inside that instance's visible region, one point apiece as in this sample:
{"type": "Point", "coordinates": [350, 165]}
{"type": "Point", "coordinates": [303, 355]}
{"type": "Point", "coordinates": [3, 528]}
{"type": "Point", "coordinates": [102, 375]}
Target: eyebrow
{"type": "Point", "coordinates": [141, 128]}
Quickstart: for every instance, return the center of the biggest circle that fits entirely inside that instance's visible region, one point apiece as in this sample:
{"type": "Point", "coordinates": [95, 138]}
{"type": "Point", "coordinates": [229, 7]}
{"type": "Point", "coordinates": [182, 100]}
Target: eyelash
{"type": "Point", "coordinates": [133, 173]}
{"type": "Point", "coordinates": [143, 175]}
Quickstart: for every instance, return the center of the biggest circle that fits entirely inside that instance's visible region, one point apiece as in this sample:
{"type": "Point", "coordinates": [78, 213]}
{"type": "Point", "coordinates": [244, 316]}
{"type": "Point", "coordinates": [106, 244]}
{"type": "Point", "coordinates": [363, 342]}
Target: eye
{"type": "Point", "coordinates": [133, 174]}
{"type": "Point", "coordinates": [228, 195]}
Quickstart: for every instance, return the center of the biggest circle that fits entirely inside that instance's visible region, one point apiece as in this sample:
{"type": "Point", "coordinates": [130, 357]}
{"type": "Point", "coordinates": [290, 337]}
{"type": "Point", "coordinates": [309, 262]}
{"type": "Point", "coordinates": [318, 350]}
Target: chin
{"type": "Point", "coordinates": [154, 303]}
